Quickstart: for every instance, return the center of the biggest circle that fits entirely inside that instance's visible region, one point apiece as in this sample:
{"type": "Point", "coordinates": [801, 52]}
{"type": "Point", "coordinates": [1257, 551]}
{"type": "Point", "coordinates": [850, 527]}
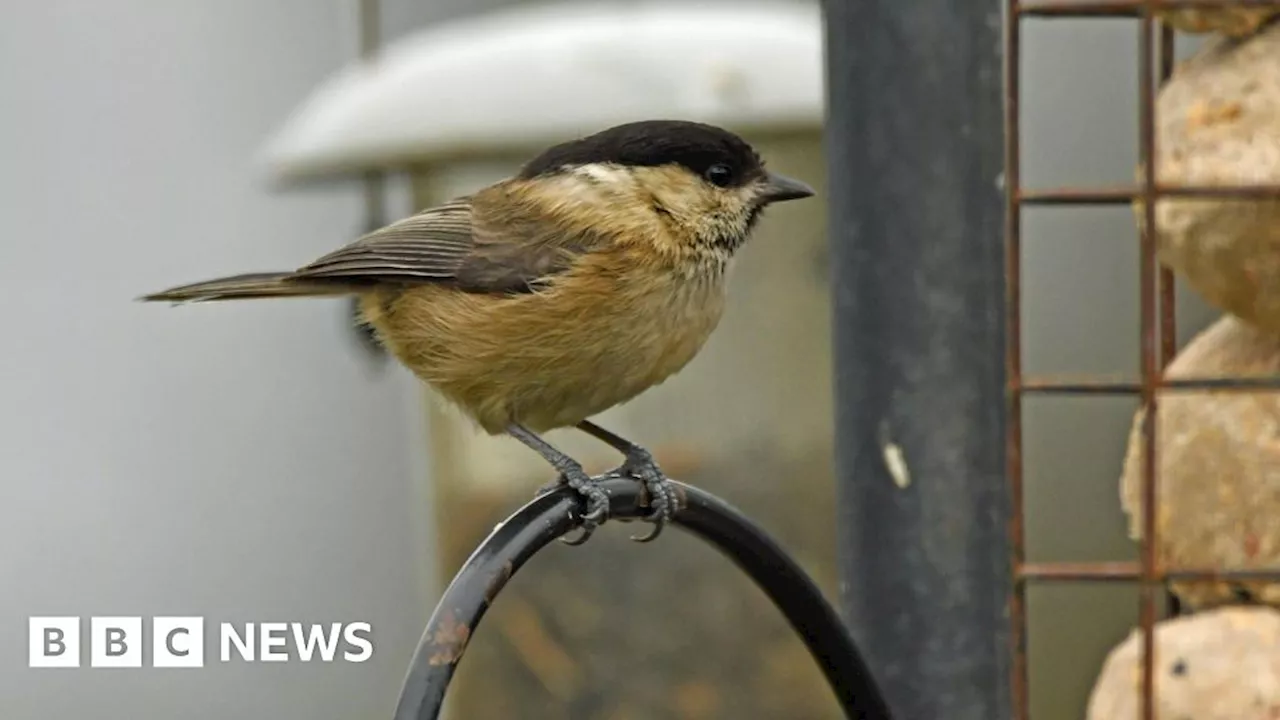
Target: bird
{"type": "Point", "coordinates": [596, 271]}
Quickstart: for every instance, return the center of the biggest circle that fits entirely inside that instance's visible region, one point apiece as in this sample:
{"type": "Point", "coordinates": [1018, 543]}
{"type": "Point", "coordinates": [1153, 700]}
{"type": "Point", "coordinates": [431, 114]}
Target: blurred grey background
{"type": "Point", "coordinates": [250, 465]}
{"type": "Point", "coordinates": [242, 465]}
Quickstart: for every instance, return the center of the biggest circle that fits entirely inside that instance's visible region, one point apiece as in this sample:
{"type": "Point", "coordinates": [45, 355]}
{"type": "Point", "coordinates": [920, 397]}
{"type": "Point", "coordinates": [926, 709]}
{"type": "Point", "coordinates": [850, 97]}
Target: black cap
{"type": "Point", "coordinates": [695, 146]}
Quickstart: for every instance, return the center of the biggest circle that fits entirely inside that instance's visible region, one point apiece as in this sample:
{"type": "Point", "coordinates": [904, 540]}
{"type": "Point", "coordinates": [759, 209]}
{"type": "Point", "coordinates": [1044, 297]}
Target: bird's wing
{"type": "Point", "coordinates": [428, 246]}
{"type": "Point", "coordinates": [506, 247]}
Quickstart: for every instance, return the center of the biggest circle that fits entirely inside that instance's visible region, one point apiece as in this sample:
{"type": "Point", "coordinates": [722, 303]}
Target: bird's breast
{"type": "Point", "coordinates": [593, 339]}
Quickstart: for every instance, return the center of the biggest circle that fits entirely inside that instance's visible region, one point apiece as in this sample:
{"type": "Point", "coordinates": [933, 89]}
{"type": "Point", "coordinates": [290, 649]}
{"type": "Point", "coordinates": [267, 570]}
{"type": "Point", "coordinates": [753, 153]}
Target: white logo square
{"type": "Point", "coordinates": [177, 642]}
{"type": "Point", "coordinates": [53, 642]}
{"type": "Point", "coordinates": [115, 642]}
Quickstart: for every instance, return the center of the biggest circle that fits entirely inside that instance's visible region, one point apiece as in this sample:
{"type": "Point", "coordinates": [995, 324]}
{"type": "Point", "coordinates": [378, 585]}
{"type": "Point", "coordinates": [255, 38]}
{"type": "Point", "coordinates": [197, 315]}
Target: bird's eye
{"type": "Point", "coordinates": [719, 174]}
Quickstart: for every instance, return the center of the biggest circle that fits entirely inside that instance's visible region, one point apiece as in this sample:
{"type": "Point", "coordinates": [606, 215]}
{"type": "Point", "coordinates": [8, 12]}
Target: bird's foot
{"type": "Point", "coordinates": [664, 500]}
{"type": "Point", "coordinates": [597, 501]}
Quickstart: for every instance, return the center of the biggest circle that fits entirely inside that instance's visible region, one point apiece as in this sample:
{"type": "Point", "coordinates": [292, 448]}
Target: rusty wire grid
{"type": "Point", "coordinates": [1158, 341]}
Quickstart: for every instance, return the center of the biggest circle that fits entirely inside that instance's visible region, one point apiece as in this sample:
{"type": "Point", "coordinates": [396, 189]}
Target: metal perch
{"type": "Point", "coordinates": [553, 515]}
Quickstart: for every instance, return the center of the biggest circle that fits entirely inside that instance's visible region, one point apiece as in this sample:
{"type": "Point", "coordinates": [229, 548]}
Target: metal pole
{"type": "Point", "coordinates": [370, 25]}
{"type": "Point", "coordinates": [373, 181]}
{"type": "Point", "coordinates": [914, 143]}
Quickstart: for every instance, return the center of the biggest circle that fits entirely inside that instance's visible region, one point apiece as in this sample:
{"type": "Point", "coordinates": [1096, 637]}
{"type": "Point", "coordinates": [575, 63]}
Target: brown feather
{"type": "Point", "coordinates": [597, 335]}
{"type": "Point", "coordinates": [499, 240]}
{"type": "Point", "coordinates": [245, 287]}
{"type": "Point", "coordinates": [428, 246]}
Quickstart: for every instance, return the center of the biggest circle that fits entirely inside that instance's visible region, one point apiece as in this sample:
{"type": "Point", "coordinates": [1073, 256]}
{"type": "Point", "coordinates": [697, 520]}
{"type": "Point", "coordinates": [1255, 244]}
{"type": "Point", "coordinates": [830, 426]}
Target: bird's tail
{"type": "Point", "coordinates": [250, 286]}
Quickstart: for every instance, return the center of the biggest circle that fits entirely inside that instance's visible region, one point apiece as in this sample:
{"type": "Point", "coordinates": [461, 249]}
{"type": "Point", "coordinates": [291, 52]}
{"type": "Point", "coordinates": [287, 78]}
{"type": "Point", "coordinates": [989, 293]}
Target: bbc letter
{"type": "Point", "coordinates": [115, 642]}
{"type": "Point", "coordinates": [53, 642]}
{"type": "Point", "coordinates": [244, 645]}
{"type": "Point", "coordinates": [177, 642]}
{"type": "Point", "coordinates": [350, 634]}
{"type": "Point", "coordinates": [273, 636]}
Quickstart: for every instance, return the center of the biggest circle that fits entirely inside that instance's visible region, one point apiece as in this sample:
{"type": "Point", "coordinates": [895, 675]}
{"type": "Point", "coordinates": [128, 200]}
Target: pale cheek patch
{"type": "Point", "coordinates": [605, 174]}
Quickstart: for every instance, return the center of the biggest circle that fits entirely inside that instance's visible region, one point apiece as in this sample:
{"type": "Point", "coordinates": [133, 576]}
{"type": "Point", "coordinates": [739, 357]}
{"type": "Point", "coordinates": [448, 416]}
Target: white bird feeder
{"type": "Point", "coordinates": [528, 77]}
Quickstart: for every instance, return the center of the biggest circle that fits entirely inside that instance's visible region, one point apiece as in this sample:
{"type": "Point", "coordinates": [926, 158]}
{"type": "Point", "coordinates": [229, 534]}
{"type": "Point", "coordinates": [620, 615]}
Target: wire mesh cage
{"type": "Point", "coordinates": [1175, 193]}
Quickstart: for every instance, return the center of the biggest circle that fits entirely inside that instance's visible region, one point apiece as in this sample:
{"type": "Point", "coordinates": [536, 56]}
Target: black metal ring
{"type": "Point", "coordinates": [550, 516]}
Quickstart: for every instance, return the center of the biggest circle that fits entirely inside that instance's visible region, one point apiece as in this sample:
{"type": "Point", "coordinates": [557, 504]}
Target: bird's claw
{"type": "Point", "coordinates": [663, 499]}
{"type": "Point", "coordinates": [597, 502]}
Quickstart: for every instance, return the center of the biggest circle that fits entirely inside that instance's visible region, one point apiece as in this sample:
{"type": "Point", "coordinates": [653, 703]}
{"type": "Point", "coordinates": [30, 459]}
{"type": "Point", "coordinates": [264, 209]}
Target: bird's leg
{"type": "Point", "coordinates": [639, 464]}
{"type": "Point", "coordinates": [571, 474]}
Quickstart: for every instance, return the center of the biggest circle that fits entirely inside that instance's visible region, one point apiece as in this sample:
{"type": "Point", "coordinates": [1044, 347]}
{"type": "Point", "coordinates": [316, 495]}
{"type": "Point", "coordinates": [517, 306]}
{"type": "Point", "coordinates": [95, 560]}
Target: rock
{"type": "Point", "coordinates": [1232, 21]}
{"type": "Point", "coordinates": [1220, 665]}
{"type": "Point", "coordinates": [1218, 124]}
{"type": "Point", "coordinates": [1218, 466]}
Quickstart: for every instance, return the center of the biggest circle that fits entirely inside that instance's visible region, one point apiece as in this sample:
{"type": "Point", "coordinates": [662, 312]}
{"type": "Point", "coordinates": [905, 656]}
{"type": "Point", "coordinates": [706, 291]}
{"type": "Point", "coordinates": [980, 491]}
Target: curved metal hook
{"type": "Point", "coordinates": [550, 516]}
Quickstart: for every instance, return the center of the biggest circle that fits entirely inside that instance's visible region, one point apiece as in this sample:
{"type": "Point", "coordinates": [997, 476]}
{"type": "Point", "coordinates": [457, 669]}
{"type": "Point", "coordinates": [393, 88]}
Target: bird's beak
{"type": "Point", "coordinates": [778, 188]}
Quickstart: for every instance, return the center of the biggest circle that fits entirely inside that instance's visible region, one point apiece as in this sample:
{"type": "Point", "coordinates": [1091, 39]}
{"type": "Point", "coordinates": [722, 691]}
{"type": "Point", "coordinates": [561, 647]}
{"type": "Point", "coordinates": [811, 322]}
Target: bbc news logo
{"type": "Point", "coordinates": [179, 642]}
